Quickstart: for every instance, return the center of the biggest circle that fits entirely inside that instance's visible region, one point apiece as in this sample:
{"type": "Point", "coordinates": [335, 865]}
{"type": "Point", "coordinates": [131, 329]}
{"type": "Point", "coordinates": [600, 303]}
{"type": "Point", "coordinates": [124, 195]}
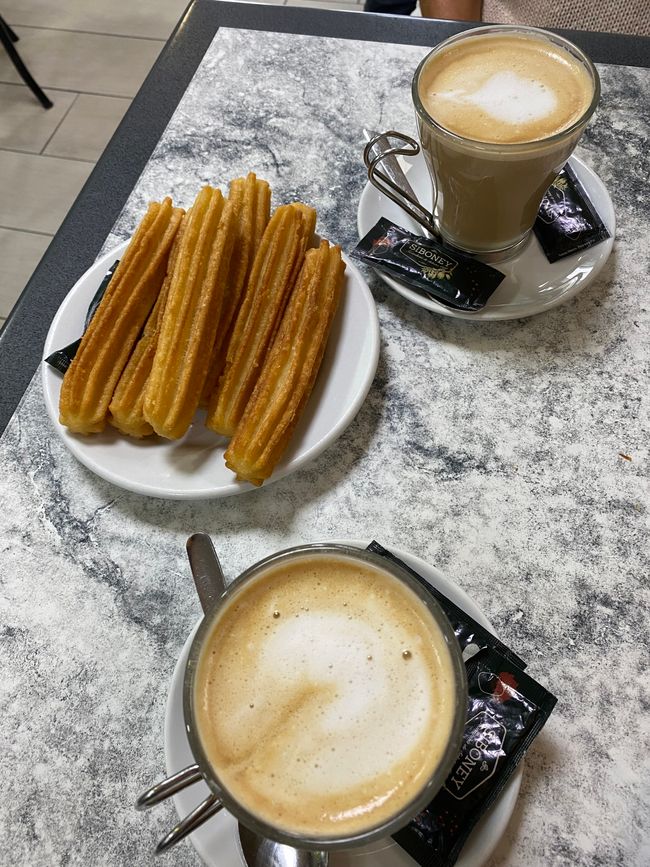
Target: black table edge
{"type": "Point", "coordinates": [92, 216]}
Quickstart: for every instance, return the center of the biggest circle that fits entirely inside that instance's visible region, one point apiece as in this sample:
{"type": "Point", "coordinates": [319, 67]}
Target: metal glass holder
{"type": "Point", "coordinates": [380, 158]}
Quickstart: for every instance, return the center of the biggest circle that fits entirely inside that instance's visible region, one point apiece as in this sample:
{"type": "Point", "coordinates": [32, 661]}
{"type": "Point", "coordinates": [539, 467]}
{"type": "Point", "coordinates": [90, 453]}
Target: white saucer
{"type": "Point", "coordinates": [217, 842]}
{"type": "Point", "coordinates": [193, 467]}
{"type": "Point", "coordinates": [532, 284]}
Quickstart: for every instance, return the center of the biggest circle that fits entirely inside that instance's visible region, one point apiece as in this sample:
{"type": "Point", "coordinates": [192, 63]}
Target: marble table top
{"type": "Point", "coordinates": [511, 455]}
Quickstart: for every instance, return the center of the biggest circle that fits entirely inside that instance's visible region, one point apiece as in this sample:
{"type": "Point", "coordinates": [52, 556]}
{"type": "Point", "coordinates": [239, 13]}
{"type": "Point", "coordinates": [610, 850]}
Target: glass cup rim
{"type": "Point", "coordinates": [511, 147]}
{"type": "Point", "coordinates": [435, 782]}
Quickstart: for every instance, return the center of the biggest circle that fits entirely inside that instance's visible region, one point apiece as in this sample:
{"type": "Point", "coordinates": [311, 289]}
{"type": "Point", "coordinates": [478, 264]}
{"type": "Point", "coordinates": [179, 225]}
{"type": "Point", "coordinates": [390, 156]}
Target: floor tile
{"type": "Point", "coordinates": [37, 191]}
{"type": "Point", "coordinates": [20, 253]}
{"type": "Point", "coordinates": [26, 125]}
{"type": "Point", "coordinates": [83, 62]}
{"type": "Point", "coordinates": [152, 18]}
{"type": "Point", "coordinates": [87, 128]}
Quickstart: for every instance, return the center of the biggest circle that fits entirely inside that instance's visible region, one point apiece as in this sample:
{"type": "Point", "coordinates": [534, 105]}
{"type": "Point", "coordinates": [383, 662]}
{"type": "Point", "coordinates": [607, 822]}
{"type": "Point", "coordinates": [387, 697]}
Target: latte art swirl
{"type": "Point", "coordinates": [324, 696]}
{"type": "Point", "coordinates": [505, 88]}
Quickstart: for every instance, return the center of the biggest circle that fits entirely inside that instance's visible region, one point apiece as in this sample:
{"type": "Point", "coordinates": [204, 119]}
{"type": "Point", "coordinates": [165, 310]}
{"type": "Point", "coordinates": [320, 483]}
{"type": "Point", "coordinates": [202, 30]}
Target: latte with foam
{"type": "Point", "coordinates": [499, 111]}
{"type": "Point", "coordinates": [324, 696]}
{"type": "Point", "coordinates": [506, 88]}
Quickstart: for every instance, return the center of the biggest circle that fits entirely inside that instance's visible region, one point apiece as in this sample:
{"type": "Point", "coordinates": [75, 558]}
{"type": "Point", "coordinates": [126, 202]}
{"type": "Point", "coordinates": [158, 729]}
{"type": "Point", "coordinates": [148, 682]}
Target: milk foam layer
{"type": "Point", "coordinates": [325, 697]}
{"type": "Point", "coordinates": [505, 88]}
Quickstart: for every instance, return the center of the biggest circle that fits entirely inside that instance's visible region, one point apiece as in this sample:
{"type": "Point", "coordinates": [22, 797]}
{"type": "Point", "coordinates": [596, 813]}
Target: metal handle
{"type": "Point", "coordinates": [206, 570]}
{"type": "Point", "coordinates": [206, 810]}
{"type": "Point", "coordinates": [405, 199]}
{"type": "Point", "coordinates": [166, 788]}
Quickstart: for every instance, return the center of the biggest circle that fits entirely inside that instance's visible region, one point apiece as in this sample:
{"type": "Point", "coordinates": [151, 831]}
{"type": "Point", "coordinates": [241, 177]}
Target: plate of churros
{"type": "Point", "coordinates": [231, 346]}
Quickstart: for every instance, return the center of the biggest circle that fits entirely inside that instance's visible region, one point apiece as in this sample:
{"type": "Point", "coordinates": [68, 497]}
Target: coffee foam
{"type": "Point", "coordinates": [309, 711]}
{"type": "Point", "coordinates": [505, 88]}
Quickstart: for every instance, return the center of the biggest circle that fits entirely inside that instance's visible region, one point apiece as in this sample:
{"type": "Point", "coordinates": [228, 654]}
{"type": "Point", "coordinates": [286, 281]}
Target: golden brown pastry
{"type": "Point", "coordinates": [290, 368]}
{"type": "Point", "coordinates": [191, 315]}
{"type": "Point", "coordinates": [274, 270]}
{"type": "Point", "coordinates": [90, 380]}
{"type": "Point", "coordinates": [126, 409]}
{"type": "Point", "coordinates": [251, 200]}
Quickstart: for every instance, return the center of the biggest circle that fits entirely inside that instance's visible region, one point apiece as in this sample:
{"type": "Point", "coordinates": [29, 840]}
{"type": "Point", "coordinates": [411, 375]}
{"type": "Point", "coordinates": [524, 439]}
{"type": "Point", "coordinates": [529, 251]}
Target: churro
{"type": "Point", "coordinates": [105, 348]}
{"type": "Point", "coordinates": [290, 368]}
{"type": "Point", "coordinates": [274, 270]}
{"type": "Point", "coordinates": [251, 200]}
{"type": "Point", "coordinates": [126, 409]}
{"type": "Point", "coordinates": [191, 315]}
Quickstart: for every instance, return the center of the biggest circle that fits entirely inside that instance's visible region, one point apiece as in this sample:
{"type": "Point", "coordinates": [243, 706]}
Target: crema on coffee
{"type": "Point", "coordinates": [505, 88]}
{"type": "Point", "coordinates": [324, 696]}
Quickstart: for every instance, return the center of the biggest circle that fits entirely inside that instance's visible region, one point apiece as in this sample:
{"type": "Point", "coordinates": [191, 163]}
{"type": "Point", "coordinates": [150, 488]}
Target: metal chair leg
{"type": "Point", "coordinates": [7, 38]}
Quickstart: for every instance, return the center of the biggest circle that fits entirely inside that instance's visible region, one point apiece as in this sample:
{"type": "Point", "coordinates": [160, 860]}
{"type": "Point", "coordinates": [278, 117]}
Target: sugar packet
{"type": "Point", "coordinates": [506, 711]}
{"type": "Point", "coordinates": [431, 270]}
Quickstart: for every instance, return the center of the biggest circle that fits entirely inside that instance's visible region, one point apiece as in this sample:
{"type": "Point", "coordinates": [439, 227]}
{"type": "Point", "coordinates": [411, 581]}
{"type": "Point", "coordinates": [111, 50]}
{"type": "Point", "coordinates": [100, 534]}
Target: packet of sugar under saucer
{"type": "Point", "coordinates": [506, 711]}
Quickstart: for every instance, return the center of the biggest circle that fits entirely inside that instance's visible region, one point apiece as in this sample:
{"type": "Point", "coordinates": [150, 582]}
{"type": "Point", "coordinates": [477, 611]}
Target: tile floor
{"type": "Point", "coordinates": [90, 58]}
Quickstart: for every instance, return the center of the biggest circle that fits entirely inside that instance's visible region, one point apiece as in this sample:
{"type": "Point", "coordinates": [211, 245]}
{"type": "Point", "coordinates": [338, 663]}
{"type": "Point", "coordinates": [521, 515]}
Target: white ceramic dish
{"type": "Point", "coordinates": [532, 284]}
{"type": "Point", "coordinates": [217, 841]}
{"type": "Point", "coordinates": [193, 467]}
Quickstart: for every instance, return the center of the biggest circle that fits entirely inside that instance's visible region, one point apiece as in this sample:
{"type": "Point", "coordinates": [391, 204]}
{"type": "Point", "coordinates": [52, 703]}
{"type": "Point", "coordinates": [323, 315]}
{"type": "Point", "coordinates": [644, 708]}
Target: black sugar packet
{"type": "Point", "coordinates": [432, 270]}
{"type": "Point", "coordinates": [506, 711]}
{"type": "Point", "coordinates": [61, 359]}
{"type": "Point", "coordinates": [567, 221]}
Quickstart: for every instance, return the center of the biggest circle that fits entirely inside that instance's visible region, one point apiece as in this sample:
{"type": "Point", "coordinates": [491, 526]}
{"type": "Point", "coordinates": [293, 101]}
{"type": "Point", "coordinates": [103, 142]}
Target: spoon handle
{"type": "Point", "coordinates": [206, 570]}
{"type": "Point", "coordinates": [167, 788]}
{"type": "Point", "coordinates": [205, 810]}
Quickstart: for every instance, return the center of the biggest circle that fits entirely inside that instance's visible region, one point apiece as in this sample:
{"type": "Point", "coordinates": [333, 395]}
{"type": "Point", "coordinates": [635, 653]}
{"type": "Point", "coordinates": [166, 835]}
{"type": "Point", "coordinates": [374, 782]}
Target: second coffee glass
{"type": "Point", "coordinates": [325, 697]}
{"type": "Point", "coordinates": [499, 111]}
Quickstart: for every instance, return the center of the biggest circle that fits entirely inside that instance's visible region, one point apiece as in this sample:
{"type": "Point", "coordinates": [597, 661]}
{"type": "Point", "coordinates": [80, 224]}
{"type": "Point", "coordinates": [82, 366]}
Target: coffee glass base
{"type": "Point", "coordinates": [261, 852]}
{"type": "Point", "coordinates": [490, 257]}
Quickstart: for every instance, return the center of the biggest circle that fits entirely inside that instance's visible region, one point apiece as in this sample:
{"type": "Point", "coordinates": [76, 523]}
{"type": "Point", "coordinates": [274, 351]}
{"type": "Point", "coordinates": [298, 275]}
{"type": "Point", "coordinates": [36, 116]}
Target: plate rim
{"type": "Point", "coordinates": [464, 600]}
{"type": "Point", "coordinates": [487, 314]}
{"type": "Point", "coordinates": [77, 447]}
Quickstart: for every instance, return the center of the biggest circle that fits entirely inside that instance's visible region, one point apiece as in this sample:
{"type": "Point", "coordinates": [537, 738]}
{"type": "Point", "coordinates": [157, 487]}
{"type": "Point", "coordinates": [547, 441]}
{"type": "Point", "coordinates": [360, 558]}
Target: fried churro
{"type": "Point", "coordinates": [274, 270]}
{"type": "Point", "coordinates": [105, 348]}
{"type": "Point", "coordinates": [251, 200]}
{"type": "Point", "coordinates": [191, 315]}
{"type": "Point", "coordinates": [126, 409]}
{"type": "Point", "coordinates": [290, 368]}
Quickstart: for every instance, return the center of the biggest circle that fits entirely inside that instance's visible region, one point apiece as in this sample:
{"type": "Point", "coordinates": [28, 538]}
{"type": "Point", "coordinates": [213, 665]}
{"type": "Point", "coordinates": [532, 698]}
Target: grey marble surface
{"type": "Point", "coordinates": [493, 450]}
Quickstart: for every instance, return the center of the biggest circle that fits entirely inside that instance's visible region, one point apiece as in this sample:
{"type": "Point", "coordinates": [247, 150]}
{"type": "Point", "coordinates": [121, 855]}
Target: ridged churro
{"type": "Point", "coordinates": [191, 315]}
{"type": "Point", "coordinates": [126, 411]}
{"type": "Point", "coordinates": [105, 348]}
{"type": "Point", "coordinates": [290, 368]}
{"type": "Point", "coordinates": [251, 200]}
{"type": "Point", "coordinates": [274, 270]}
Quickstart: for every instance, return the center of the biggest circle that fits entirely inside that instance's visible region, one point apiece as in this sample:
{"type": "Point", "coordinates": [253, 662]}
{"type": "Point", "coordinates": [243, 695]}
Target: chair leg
{"type": "Point", "coordinates": [12, 34]}
{"type": "Point", "coordinates": [8, 37]}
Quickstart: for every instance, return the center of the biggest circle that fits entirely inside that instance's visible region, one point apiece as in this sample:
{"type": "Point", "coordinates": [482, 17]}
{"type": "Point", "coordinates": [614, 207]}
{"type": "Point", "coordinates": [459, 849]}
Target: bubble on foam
{"type": "Point", "coordinates": [509, 98]}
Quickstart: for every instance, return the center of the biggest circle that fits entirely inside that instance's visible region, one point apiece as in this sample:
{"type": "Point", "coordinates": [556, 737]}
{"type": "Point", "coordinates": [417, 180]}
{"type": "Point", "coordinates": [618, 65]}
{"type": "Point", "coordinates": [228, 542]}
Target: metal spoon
{"type": "Point", "coordinates": [260, 852]}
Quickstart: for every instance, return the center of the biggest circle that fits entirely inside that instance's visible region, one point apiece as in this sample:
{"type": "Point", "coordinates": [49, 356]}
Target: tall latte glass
{"type": "Point", "coordinates": [499, 111]}
{"type": "Point", "coordinates": [325, 697]}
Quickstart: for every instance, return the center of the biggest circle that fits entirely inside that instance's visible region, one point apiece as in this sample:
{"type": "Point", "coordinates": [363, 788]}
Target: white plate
{"type": "Point", "coordinates": [193, 467]}
{"type": "Point", "coordinates": [532, 284]}
{"type": "Point", "coordinates": [217, 841]}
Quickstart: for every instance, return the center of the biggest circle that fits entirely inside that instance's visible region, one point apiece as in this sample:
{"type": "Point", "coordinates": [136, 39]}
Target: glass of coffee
{"type": "Point", "coordinates": [325, 697]}
{"type": "Point", "coordinates": [499, 111]}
